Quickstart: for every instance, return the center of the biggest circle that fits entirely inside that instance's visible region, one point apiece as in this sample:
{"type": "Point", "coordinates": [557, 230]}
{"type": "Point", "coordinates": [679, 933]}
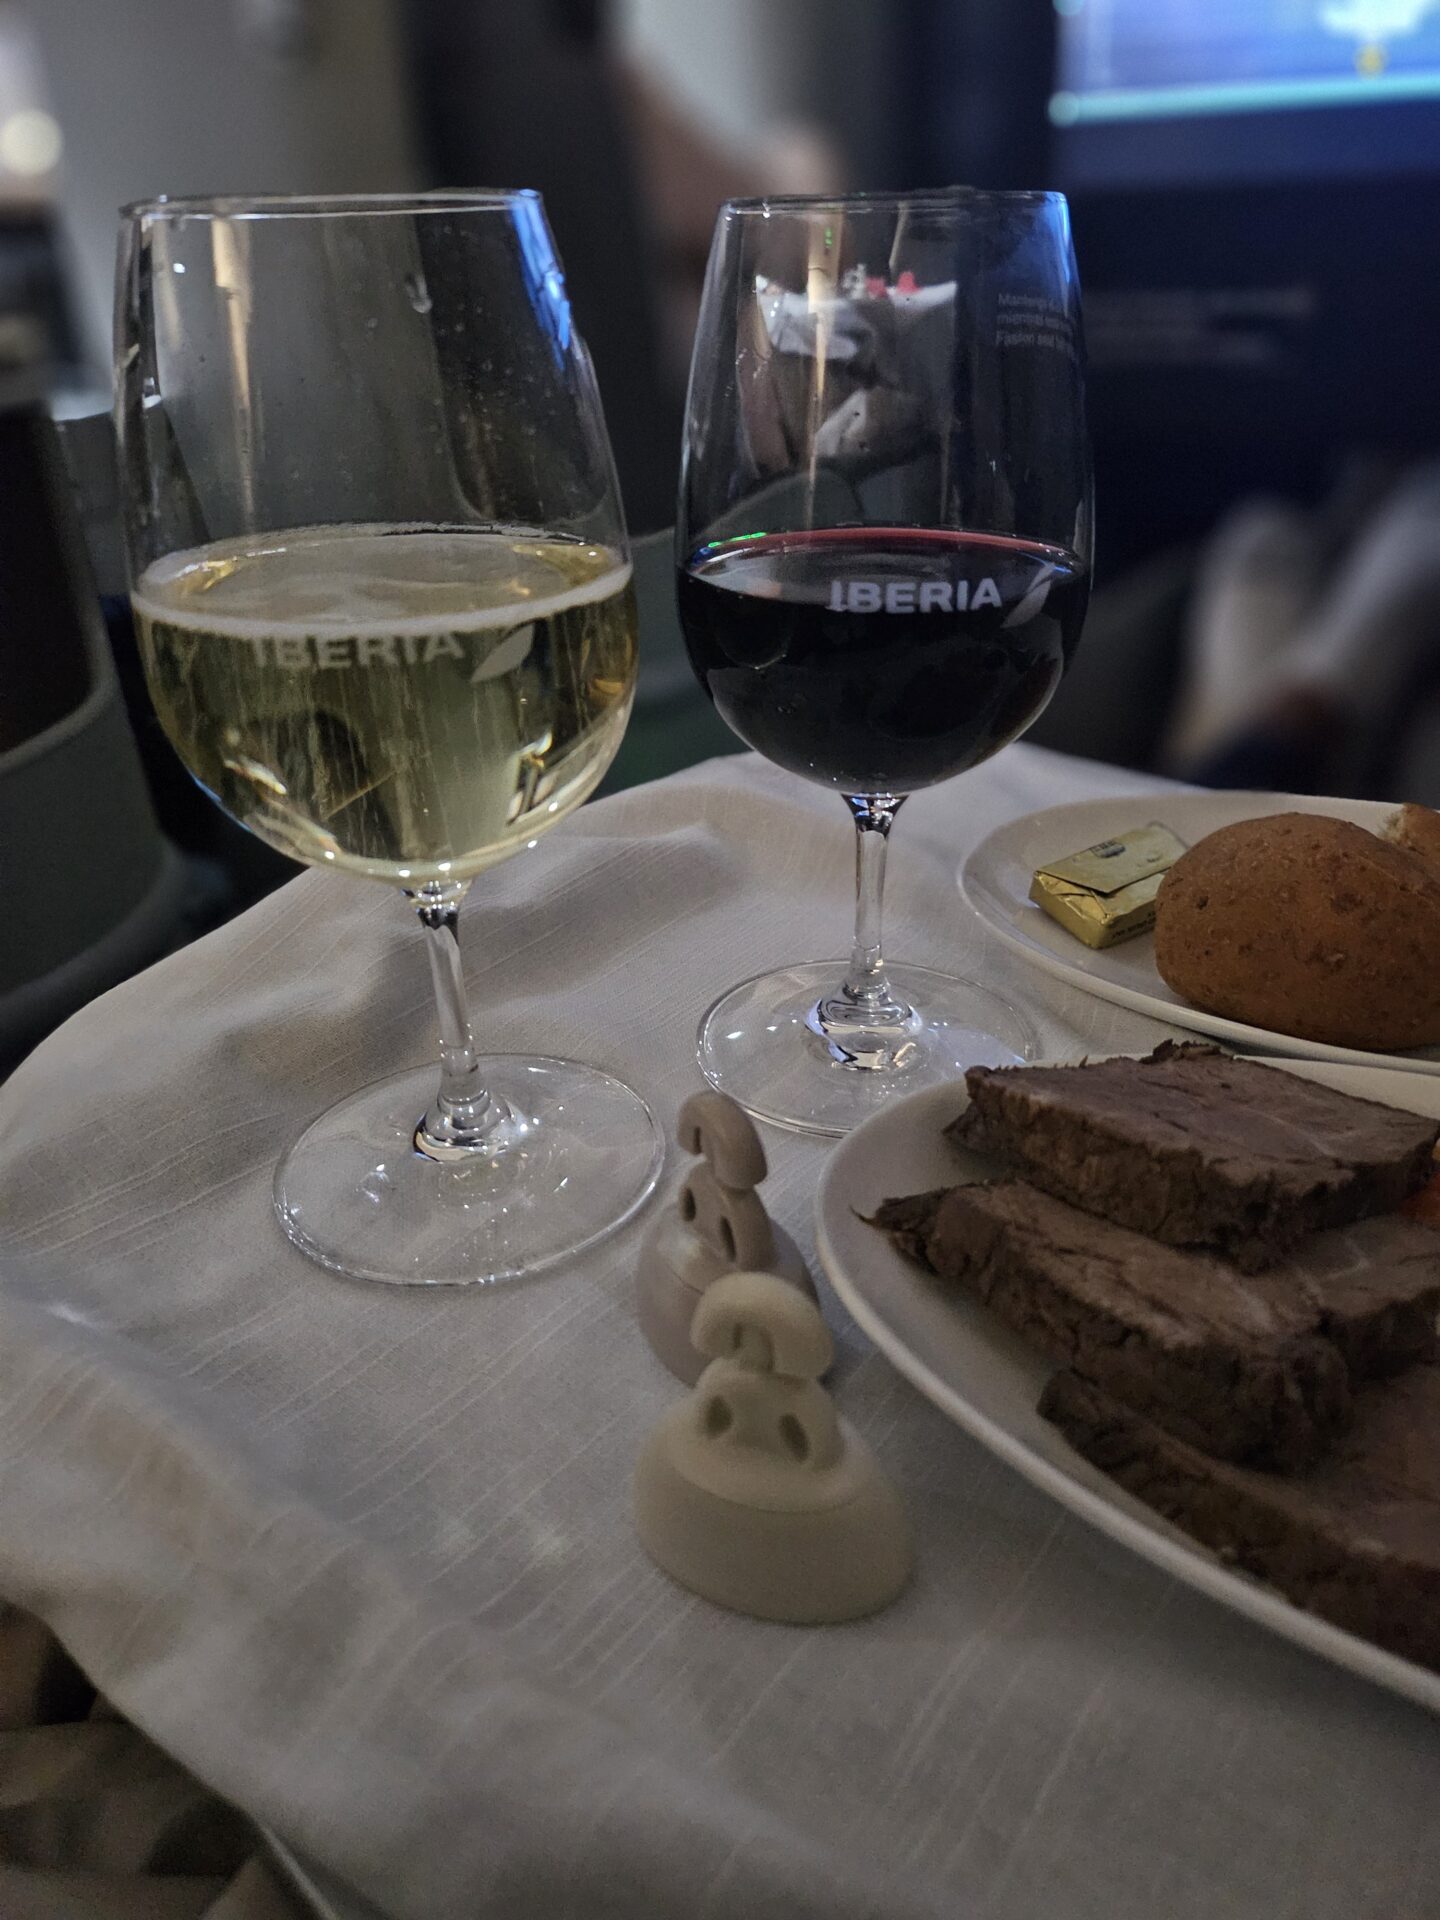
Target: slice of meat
{"type": "Point", "coordinates": [1246, 1366]}
{"type": "Point", "coordinates": [1197, 1148]}
{"type": "Point", "coordinates": [1374, 1288]}
{"type": "Point", "coordinates": [1355, 1540]}
{"type": "Point", "coordinates": [909, 1219]}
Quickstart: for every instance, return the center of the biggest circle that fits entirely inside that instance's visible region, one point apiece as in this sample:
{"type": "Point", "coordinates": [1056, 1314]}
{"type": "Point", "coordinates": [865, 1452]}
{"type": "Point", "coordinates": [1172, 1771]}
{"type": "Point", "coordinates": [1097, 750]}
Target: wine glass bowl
{"type": "Point", "coordinates": [883, 555]}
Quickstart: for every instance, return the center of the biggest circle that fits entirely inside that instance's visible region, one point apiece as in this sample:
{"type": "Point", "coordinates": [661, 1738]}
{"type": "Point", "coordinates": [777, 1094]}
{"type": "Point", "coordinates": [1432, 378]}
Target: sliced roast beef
{"type": "Point", "coordinates": [1356, 1539]}
{"type": "Point", "coordinates": [1247, 1366]}
{"type": "Point", "coordinates": [1197, 1148]}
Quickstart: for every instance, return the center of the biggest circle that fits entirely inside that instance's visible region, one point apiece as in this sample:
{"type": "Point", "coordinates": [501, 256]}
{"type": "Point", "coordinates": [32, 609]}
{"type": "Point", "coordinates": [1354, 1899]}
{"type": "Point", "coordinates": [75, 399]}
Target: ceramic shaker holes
{"type": "Point", "coordinates": [716, 1224]}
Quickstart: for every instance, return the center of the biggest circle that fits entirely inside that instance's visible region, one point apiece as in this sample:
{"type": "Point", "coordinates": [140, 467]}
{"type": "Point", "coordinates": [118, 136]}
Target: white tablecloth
{"type": "Point", "coordinates": [362, 1558]}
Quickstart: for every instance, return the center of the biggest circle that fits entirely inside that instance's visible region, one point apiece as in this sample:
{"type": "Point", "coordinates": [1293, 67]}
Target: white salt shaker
{"type": "Point", "coordinates": [752, 1491]}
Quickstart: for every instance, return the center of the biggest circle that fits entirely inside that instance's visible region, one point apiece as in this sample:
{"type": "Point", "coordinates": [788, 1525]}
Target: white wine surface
{"type": "Point", "coordinates": [409, 702]}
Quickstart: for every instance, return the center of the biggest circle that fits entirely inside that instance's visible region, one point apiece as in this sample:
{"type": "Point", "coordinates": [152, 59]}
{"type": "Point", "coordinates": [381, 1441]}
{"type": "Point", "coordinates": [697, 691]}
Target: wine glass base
{"type": "Point", "coordinates": [354, 1193]}
{"type": "Point", "coordinates": [758, 1044]}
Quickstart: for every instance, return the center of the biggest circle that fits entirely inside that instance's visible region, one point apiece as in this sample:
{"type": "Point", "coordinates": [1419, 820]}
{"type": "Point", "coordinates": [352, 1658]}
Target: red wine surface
{"type": "Point", "coordinates": [880, 659]}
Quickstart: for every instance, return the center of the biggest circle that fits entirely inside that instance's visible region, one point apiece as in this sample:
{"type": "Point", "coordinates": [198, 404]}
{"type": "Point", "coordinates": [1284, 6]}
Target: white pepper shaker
{"type": "Point", "coordinates": [716, 1224]}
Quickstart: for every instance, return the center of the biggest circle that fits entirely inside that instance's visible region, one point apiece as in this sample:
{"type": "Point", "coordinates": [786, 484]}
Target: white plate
{"type": "Point", "coordinates": [988, 1380]}
{"type": "Point", "coordinates": [996, 882]}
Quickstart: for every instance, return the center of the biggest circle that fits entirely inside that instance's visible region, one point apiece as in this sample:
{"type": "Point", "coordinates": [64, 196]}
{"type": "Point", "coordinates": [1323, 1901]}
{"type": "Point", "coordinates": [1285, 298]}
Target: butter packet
{"type": "Point", "coordinates": [1106, 893]}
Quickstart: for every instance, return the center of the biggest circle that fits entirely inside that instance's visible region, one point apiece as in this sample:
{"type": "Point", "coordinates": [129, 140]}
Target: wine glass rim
{"type": "Point", "coordinates": [942, 198]}
{"type": "Point", "coordinates": [272, 206]}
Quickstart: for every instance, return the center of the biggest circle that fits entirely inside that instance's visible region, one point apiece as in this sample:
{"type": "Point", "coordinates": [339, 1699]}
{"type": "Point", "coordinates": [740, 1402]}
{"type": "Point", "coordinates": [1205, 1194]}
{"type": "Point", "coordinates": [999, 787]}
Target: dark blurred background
{"type": "Point", "coordinates": [1255, 188]}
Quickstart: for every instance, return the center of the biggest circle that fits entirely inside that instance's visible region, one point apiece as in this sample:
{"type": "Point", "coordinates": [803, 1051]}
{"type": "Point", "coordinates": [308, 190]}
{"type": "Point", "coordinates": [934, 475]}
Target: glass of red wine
{"type": "Point", "coordinates": [883, 558]}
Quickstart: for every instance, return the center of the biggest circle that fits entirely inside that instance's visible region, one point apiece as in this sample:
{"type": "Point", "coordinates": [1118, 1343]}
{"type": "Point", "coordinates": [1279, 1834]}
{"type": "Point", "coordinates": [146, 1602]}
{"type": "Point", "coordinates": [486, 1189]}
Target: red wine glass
{"type": "Point", "coordinates": [883, 558]}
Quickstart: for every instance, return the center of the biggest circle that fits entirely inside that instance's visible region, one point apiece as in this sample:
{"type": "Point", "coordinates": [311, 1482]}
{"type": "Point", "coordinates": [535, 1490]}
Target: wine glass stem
{"type": "Point", "coordinates": [874, 815]}
{"type": "Point", "coordinates": [862, 1025]}
{"type": "Point", "coordinates": [464, 1120]}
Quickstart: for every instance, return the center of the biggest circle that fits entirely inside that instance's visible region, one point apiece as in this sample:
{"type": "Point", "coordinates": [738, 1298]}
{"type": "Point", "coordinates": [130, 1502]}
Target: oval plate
{"type": "Point", "coordinates": [988, 1380]}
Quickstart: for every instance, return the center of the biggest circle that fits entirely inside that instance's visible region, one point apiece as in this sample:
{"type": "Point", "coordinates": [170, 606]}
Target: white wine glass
{"type": "Point", "coordinates": [382, 588]}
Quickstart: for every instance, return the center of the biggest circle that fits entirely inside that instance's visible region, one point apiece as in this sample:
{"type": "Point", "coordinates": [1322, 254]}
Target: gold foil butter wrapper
{"type": "Point", "coordinates": [1107, 892]}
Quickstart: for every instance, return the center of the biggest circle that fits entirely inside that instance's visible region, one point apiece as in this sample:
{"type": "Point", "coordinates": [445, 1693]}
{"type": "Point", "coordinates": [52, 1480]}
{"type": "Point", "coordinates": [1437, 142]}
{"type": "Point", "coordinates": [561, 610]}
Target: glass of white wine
{"type": "Point", "coordinates": [382, 587]}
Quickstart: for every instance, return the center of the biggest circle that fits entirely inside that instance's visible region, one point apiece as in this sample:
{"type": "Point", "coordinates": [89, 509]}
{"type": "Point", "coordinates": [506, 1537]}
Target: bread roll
{"type": "Point", "coordinates": [1418, 829]}
{"type": "Point", "coordinates": [1308, 926]}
